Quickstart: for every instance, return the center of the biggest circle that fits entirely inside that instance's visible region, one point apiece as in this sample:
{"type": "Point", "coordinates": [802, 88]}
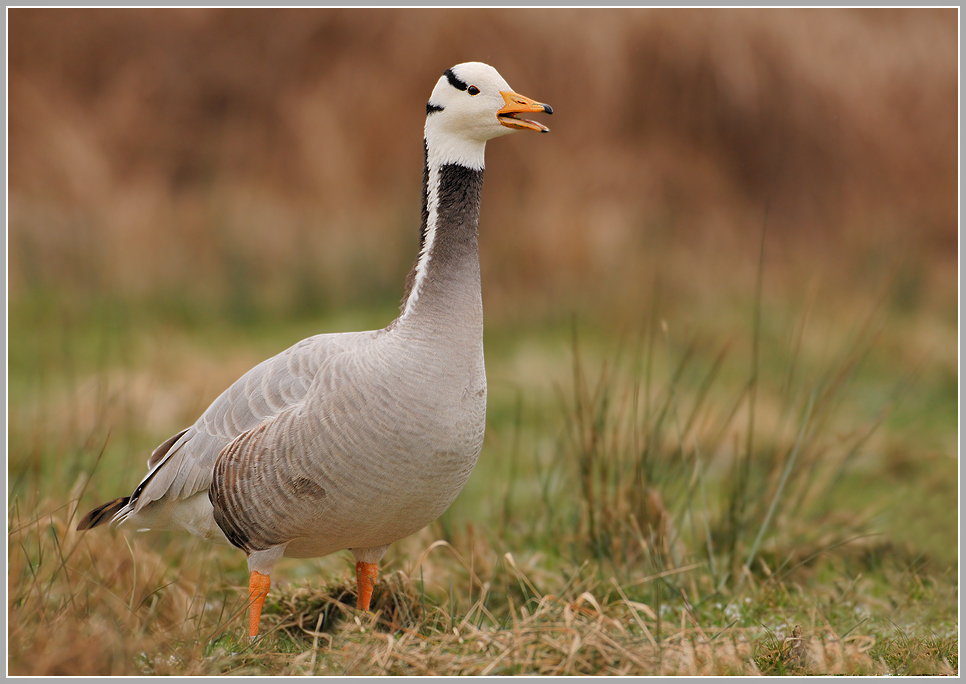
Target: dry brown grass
{"type": "Point", "coordinates": [88, 609]}
{"type": "Point", "coordinates": [80, 605]}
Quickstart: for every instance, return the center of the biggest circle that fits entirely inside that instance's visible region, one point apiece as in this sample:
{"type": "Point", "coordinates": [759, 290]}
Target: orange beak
{"type": "Point", "coordinates": [519, 104]}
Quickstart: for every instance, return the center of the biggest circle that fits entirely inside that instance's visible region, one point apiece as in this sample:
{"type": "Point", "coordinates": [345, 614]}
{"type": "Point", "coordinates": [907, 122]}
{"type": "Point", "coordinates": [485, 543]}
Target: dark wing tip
{"type": "Point", "coordinates": [102, 513]}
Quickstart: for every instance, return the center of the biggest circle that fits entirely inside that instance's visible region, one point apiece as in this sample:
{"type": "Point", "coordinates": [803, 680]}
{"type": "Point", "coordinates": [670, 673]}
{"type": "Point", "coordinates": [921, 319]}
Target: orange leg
{"type": "Point", "coordinates": [366, 574]}
{"type": "Point", "coordinates": [258, 585]}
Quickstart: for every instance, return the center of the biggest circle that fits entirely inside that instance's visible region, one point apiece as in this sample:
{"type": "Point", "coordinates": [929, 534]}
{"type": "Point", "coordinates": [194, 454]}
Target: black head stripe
{"type": "Point", "coordinates": [454, 80]}
{"type": "Point", "coordinates": [432, 109]}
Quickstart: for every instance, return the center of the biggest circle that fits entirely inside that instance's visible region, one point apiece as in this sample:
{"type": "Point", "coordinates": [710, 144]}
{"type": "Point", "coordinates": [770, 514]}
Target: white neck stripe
{"type": "Point", "coordinates": [442, 149]}
{"type": "Point", "coordinates": [432, 212]}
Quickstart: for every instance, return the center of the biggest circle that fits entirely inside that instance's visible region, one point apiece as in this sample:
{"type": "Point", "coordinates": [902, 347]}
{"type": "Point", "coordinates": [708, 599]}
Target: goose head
{"type": "Point", "coordinates": [471, 104]}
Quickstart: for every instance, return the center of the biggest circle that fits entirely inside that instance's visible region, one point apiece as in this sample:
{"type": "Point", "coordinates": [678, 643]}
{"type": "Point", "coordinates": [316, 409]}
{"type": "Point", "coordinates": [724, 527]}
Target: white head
{"type": "Point", "coordinates": [470, 104]}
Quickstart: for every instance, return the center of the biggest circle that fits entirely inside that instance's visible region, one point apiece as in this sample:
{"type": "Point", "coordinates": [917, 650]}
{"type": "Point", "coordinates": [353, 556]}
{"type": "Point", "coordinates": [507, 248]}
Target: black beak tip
{"type": "Point", "coordinates": [547, 109]}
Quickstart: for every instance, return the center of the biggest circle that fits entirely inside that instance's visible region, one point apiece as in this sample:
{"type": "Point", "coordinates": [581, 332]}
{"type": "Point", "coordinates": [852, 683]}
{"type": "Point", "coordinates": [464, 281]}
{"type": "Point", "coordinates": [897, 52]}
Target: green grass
{"type": "Point", "coordinates": [652, 498]}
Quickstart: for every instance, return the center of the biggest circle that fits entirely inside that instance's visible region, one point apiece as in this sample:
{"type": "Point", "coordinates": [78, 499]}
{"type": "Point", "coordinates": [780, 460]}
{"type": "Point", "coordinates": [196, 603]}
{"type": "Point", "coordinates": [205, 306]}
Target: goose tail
{"type": "Point", "coordinates": [103, 513]}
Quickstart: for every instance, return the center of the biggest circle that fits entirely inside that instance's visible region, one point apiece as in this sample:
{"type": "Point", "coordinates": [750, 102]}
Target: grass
{"type": "Point", "coordinates": [667, 506]}
{"type": "Point", "coordinates": [98, 611]}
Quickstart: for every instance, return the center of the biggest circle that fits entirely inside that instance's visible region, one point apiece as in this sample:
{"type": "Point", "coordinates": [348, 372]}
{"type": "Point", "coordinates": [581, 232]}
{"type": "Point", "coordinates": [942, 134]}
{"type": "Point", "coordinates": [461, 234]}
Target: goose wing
{"type": "Point", "coordinates": [182, 466]}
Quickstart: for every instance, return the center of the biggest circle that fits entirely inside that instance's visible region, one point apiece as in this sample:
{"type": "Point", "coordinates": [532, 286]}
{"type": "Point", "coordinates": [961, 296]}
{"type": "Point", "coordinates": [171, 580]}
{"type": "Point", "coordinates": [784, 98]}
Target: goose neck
{"type": "Point", "coordinates": [446, 277]}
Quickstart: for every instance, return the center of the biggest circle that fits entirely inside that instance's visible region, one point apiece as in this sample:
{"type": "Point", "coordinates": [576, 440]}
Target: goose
{"type": "Point", "coordinates": [352, 441]}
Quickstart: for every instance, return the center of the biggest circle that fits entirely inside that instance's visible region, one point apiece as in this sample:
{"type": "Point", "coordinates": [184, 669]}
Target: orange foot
{"type": "Point", "coordinates": [366, 574]}
{"type": "Point", "coordinates": [258, 585]}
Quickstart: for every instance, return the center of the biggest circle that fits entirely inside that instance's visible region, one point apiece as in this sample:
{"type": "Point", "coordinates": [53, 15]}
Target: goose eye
{"type": "Point", "coordinates": [473, 90]}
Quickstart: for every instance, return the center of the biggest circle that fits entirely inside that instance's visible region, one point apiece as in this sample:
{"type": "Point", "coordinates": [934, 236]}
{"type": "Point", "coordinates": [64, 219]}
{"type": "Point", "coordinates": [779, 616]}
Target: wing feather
{"type": "Point", "coordinates": [183, 465]}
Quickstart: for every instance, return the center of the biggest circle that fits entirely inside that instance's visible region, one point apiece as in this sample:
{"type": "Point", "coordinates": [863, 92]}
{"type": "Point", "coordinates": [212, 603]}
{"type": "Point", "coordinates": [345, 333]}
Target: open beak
{"type": "Point", "coordinates": [518, 104]}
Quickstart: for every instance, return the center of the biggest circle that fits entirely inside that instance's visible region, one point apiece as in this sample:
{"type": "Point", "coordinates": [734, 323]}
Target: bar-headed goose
{"type": "Point", "coordinates": [353, 440]}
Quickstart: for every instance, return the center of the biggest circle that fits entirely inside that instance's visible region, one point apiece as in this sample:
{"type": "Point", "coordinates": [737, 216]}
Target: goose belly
{"type": "Point", "coordinates": [376, 512]}
{"type": "Point", "coordinates": [381, 515]}
{"type": "Point", "coordinates": [362, 473]}
{"type": "Point", "coordinates": [386, 494]}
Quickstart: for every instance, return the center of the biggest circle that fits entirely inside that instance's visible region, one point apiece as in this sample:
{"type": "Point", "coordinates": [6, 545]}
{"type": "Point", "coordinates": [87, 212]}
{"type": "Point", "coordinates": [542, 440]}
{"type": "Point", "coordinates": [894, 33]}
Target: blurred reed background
{"type": "Point", "coordinates": [270, 158]}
